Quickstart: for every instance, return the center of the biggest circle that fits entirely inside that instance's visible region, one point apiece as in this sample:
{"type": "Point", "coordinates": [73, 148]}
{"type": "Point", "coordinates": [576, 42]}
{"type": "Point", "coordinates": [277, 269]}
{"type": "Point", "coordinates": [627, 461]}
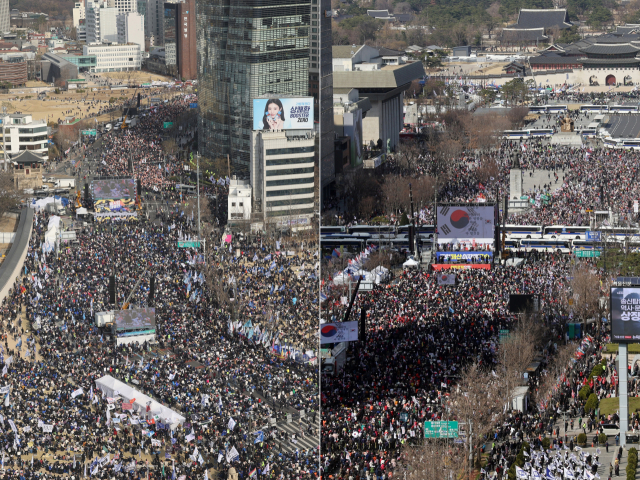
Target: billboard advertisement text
{"type": "Point", "coordinates": [113, 189]}
{"type": "Point", "coordinates": [283, 113]}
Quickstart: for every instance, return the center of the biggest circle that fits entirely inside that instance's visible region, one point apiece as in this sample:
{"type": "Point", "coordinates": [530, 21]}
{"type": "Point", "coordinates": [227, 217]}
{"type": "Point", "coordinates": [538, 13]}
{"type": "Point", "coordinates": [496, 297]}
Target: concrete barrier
{"type": "Point", "coordinates": [14, 261]}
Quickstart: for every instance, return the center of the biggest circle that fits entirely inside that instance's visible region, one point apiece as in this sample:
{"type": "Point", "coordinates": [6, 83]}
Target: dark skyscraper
{"type": "Point", "coordinates": [327, 136]}
{"type": "Point", "coordinates": [246, 49]}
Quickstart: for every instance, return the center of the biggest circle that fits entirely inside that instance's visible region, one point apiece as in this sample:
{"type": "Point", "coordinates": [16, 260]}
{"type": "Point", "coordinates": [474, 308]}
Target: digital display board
{"type": "Point", "coordinates": [469, 223]}
{"type": "Point", "coordinates": [625, 314]}
{"type": "Point", "coordinates": [113, 189]}
{"type": "Point", "coordinates": [135, 319]}
{"type": "Point", "coordinates": [283, 113]}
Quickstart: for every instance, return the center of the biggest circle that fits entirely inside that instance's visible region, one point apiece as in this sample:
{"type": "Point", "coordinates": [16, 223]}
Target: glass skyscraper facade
{"type": "Point", "coordinates": [246, 49]}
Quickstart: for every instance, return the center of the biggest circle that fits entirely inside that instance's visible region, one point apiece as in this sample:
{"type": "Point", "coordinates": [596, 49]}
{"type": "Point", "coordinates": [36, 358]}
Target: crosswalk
{"type": "Point", "coordinates": [310, 441]}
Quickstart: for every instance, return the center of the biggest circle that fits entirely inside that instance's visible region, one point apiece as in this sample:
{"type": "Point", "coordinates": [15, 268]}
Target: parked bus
{"type": "Point", "coordinates": [594, 108]}
{"type": "Point", "coordinates": [347, 244]}
{"type": "Point", "coordinates": [516, 134]}
{"type": "Point", "coordinates": [611, 143]}
{"type": "Point", "coordinates": [630, 144]}
{"type": "Point", "coordinates": [332, 230]}
{"type": "Point", "coordinates": [371, 229]}
{"type": "Point", "coordinates": [568, 232]}
{"type": "Point", "coordinates": [557, 108]}
{"type": "Point", "coordinates": [545, 245]}
{"type": "Point", "coordinates": [624, 109]}
{"type": "Point", "coordinates": [584, 245]}
{"type": "Point", "coordinates": [589, 132]}
{"type": "Point", "coordinates": [522, 231]}
{"type": "Point", "coordinates": [538, 109]}
{"type": "Point", "coordinates": [541, 132]}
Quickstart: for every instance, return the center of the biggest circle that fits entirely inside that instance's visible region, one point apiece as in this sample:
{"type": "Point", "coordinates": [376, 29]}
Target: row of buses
{"type": "Point", "coordinates": [551, 238]}
{"type": "Point", "coordinates": [540, 109]}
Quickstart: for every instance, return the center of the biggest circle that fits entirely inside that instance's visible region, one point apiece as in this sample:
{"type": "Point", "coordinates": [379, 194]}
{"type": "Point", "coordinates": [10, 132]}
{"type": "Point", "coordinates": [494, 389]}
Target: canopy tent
{"type": "Point", "coordinates": [411, 263]}
{"type": "Point", "coordinates": [110, 386]}
{"type": "Point", "coordinates": [380, 274]}
{"type": "Point", "coordinates": [81, 211]}
{"type": "Point", "coordinates": [42, 202]}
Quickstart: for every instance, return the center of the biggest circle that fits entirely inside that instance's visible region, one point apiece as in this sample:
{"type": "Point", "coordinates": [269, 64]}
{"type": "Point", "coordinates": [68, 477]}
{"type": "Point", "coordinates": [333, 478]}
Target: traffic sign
{"type": "Point", "coordinates": [88, 132]}
{"type": "Point", "coordinates": [441, 429]}
{"type": "Point", "coordinates": [188, 244]}
{"type": "Point", "coordinates": [593, 236]}
{"type": "Point", "coordinates": [588, 253]}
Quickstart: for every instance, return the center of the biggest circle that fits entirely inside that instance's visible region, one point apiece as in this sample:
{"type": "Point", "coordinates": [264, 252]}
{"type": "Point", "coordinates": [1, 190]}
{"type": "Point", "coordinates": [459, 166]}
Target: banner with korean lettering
{"type": "Point", "coordinates": [625, 314]}
{"type": "Point", "coordinates": [456, 266]}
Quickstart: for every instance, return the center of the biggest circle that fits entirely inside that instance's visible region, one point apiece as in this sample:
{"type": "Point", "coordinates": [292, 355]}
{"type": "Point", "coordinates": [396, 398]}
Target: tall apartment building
{"type": "Point", "coordinates": [131, 28]}
{"type": "Point", "coordinates": [101, 23]}
{"type": "Point", "coordinates": [246, 50]}
{"type": "Point", "coordinates": [123, 6]}
{"type": "Point", "coordinates": [78, 13]}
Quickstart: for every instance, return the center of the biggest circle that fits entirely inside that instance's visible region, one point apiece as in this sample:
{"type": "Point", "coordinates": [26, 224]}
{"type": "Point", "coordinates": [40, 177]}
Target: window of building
{"type": "Point", "coordinates": [233, 204]}
{"type": "Point", "coordinates": [295, 191]}
{"type": "Point", "coordinates": [287, 151]}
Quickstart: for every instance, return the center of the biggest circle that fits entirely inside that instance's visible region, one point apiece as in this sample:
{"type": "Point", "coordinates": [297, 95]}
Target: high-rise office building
{"type": "Point", "coordinates": [246, 50]}
{"type": "Point", "coordinates": [186, 51]}
{"type": "Point", "coordinates": [5, 17]}
{"type": "Point", "coordinates": [154, 15]}
{"type": "Point", "coordinates": [169, 37]}
{"type": "Point", "coordinates": [324, 110]}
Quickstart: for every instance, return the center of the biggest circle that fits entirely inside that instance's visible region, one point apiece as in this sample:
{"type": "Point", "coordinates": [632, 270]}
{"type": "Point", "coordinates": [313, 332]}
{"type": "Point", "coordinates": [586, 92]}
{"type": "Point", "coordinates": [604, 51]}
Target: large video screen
{"type": "Point", "coordinates": [283, 113]}
{"type": "Point", "coordinates": [109, 206]}
{"type": "Point", "coordinates": [113, 189]}
{"type": "Point", "coordinates": [625, 314]}
{"type": "Point", "coordinates": [457, 224]}
{"type": "Point", "coordinates": [135, 319]}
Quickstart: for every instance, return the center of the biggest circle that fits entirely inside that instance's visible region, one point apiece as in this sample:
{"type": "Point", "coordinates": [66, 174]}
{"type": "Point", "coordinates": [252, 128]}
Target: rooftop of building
{"type": "Point", "coordinates": [543, 18]}
{"type": "Point", "coordinates": [26, 157]}
{"type": "Point", "coordinates": [387, 77]}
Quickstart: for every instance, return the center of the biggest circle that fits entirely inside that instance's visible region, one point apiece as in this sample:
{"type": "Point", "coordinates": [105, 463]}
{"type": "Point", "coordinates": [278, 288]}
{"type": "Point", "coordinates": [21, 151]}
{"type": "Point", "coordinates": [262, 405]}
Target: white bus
{"type": "Point", "coordinates": [541, 132]}
{"type": "Point", "coordinates": [594, 108]}
{"type": "Point", "coordinates": [624, 109]}
{"type": "Point", "coordinates": [522, 231]}
{"type": "Point", "coordinates": [611, 143]}
{"type": "Point", "coordinates": [566, 232]}
{"type": "Point", "coordinates": [545, 245]}
{"type": "Point", "coordinates": [516, 134]}
{"type": "Point", "coordinates": [557, 108]}
{"type": "Point", "coordinates": [590, 132]}
{"type": "Point", "coordinates": [619, 234]}
{"type": "Point", "coordinates": [630, 144]}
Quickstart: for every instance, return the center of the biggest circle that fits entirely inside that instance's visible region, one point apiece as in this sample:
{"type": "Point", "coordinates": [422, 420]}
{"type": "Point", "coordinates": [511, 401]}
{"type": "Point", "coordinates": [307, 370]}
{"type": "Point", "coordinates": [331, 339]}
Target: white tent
{"type": "Point", "coordinates": [81, 211]}
{"type": "Point", "coordinates": [411, 263]}
{"type": "Point", "coordinates": [380, 273]}
{"type": "Point", "coordinates": [110, 386]}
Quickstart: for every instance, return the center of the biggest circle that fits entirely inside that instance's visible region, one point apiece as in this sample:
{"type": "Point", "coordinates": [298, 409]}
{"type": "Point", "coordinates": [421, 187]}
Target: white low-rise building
{"type": "Point", "coordinates": [239, 200]}
{"type": "Point", "coordinates": [114, 57]}
{"type": "Point", "coordinates": [22, 133]}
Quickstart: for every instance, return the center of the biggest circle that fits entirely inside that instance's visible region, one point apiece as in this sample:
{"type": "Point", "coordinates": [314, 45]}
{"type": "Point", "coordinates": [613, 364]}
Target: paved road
{"type": "Point", "coordinates": [624, 126]}
{"type": "Point", "coordinates": [295, 441]}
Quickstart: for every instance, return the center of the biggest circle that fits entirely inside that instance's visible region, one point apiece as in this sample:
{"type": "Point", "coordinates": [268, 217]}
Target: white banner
{"type": "Point", "coordinates": [13, 426]}
{"type": "Point", "coordinates": [231, 424]}
{"type": "Point", "coordinates": [77, 392]}
{"type": "Point", "coordinates": [5, 390]}
{"type": "Point", "coordinates": [190, 437]}
{"type": "Point", "coordinates": [47, 428]}
{"type": "Point", "coordinates": [232, 455]}
{"type": "Point", "coordinates": [465, 224]}
{"type": "Point", "coordinates": [339, 332]}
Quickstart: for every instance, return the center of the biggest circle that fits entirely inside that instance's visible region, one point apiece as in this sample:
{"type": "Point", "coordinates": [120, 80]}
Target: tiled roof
{"type": "Point", "coordinates": [543, 18]}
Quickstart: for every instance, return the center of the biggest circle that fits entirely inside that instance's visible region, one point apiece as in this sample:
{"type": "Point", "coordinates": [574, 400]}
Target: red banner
{"type": "Point", "coordinates": [461, 266]}
{"type": "Point", "coordinates": [127, 406]}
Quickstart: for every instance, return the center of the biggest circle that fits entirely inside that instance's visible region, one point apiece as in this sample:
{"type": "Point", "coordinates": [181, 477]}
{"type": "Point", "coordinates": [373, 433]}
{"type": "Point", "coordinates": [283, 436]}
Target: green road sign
{"type": "Point", "coordinates": [188, 244]}
{"type": "Point", "coordinates": [588, 253]}
{"type": "Point", "coordinates": [88, 132]}
{"type": "Point", "coordinates": [441, 429]}
{"type": "Point", "coordinates": [168, 124]}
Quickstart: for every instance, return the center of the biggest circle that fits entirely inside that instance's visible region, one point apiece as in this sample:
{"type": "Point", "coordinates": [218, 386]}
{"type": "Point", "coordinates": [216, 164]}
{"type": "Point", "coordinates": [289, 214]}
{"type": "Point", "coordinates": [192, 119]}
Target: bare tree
{"type": "Point", "coordinates": [435, 459]}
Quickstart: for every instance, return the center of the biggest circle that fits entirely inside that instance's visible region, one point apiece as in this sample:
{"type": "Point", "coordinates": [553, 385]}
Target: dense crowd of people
{"type": "Point", "coordinates": [217, 368]}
